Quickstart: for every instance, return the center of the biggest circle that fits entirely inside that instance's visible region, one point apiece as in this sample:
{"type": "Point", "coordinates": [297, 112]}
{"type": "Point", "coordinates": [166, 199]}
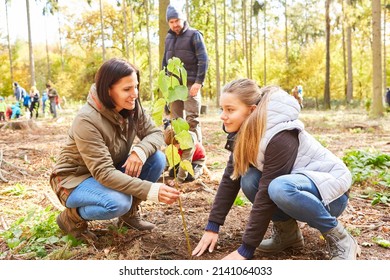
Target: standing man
{"type": "Point", "coordinates": [19, 92]}
{"type": "Point", "coordinates": [187, 43]}
{"type": "Point", "coordinates": [52, 94]}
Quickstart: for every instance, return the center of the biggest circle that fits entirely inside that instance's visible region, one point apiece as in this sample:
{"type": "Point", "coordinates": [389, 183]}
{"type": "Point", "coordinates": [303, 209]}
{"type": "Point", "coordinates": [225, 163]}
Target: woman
{"type": "Point", "coordinates": [102, 173]}
{"type": "Point", "coordinates": [284, 172]}
{"type": "Point", "coordinates": [34, 96]}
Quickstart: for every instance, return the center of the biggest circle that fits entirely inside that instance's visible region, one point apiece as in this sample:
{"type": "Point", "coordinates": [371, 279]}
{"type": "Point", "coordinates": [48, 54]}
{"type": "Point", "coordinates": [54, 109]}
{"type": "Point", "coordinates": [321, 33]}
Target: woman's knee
{"type": "Point", "coordinates": [120, 205]}
{"type": "Point", "coordinates": [277, 189]}
{"type": "Point", "coordinates": [160, 159]}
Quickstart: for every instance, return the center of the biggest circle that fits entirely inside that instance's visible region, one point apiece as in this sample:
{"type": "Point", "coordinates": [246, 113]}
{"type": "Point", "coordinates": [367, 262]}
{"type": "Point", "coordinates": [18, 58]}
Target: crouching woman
{"type": "Point", "coordinates": [101, 173]}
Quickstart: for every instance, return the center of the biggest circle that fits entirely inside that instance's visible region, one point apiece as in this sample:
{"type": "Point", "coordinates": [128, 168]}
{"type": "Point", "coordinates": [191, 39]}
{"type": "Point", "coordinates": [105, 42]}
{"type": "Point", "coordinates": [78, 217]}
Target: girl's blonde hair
{"type": "Point", "coordinates": [248, 139]}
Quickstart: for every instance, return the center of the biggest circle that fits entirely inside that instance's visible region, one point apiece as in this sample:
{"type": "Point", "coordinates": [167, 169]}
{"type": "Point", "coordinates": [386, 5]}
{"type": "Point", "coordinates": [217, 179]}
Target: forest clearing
{"type": "Point", "coordinates": [29, 207]}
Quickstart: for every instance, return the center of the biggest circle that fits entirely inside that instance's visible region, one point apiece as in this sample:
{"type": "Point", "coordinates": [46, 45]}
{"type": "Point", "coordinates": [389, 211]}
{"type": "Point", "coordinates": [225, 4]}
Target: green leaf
{"type": "Point", "coordinates": [186, 165]}
{"type": "Point", "coordinates": [158, 111]}
{"type": "Point", "coordinates": [174, 82]}
{"type": "Point", "coordinates": [185, 140]}
{"type": "Point", "coordinates": [177, 93]}
{"type": "Point", "coordinates": [179, 125]}
{"type": "Point", "coordinates": [172, 154]}
{"type": "Point", "coordinates": [382, 242]}
{"type": "Point", "coordinates": [173, 66]}
{"type": "Point", "coordinates": [184, 76]}
{"type": "Point", "coordinates": [163, 83]}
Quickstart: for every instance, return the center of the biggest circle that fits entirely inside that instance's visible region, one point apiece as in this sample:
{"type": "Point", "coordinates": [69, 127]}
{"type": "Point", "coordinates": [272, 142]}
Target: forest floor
{"type": "Point", "coordinates": [27, 156]}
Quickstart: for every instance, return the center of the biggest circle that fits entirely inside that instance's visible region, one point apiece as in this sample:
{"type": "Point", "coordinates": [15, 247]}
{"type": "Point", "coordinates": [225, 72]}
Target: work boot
{"type": "Point", "coordinates": [70, 222]}
{"type": "Point", "coordinates": [285, 234]}
{"type": "Point", "coordinates": [133, 218]}
{"type": "Point", "coordinates": [340, 244]}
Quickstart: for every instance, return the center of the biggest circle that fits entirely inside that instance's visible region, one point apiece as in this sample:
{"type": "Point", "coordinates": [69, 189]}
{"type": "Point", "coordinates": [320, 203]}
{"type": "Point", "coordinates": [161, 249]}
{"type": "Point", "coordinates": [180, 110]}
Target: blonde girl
{"type": "Point", "coordinates": [284, 172]}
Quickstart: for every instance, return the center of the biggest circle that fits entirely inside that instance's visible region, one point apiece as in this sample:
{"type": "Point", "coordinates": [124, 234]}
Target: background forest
{"type": "Point", "coordinates": [327, 46]}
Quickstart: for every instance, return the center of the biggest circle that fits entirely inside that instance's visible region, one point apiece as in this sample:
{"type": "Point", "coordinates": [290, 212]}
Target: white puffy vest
{"type": "Point", "coordinates": [328, 172]}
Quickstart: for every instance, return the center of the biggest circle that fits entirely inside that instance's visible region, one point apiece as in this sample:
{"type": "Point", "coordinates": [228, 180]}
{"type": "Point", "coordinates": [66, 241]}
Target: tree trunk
{"type": "Point", "coordinates": [377, 98]}
{"type": "Point", "coordinates": [225, 42]}
{"type": "Point", "coordinates": [265, 43]}
{"type": "Point", "coordinates": [30, 46]}
{"type": "Point", "coordinates": [162, 27]}
{"type": "Point", "coordinates": [132, 32]}
{"type": "Point", "coordinates": [384, 48]}
{"type": "Point", "coordinates": [234, 31]}
{"type": "Point", "coordinates": [250, 60]}
{"type": "Point", "coordinates": [47, 50]}
{"type": "Point", "coordinates": [60, 39]}
{"type": "Point", "coordinates": [343, 22]}
{"type": "Point", "coordinates": [327, 70]}
{"type": "Point", "coordinates": [11, 68]}
{"type": "Point", "coordinates": [286, 42]}
{"type": "Point", "coordinates": [102, 30]}
{"type": "Point", "coordinates": [125, 29]}
{"type": "Point", "coordinates": [245, 37]}
{"type": "Point", "coordinates": [349, 58]}
{"type": "Point", "coordinates": [218, 82]}
{"type": "Point", "coordinates": [146, 4]}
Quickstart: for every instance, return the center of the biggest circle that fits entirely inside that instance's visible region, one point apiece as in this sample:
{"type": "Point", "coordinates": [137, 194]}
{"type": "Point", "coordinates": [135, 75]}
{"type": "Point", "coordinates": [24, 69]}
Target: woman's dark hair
{"type": "Point", "coordinates": [108, 74]}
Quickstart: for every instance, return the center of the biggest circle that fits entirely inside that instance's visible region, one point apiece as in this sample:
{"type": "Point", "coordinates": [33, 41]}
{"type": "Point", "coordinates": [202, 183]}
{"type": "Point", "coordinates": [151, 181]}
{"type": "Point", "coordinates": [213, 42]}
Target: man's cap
{"type": "Point", "coordinates": [173, 13]}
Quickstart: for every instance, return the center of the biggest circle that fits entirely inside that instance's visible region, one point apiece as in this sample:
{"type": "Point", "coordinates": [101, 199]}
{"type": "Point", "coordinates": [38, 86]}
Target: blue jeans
{"type": "Point", "coordinates": [296, 197]}
{"type": "Point", "coordinates": [97, 202]}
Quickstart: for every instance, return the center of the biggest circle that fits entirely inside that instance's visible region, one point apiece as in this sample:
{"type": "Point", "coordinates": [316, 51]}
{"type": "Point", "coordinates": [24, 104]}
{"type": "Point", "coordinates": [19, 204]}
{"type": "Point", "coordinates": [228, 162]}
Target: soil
{"type": "Point", "coordinates": [28, 154]}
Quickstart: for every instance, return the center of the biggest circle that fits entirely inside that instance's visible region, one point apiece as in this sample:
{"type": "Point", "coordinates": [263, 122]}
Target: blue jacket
{"type": "Point", "coordinates": [15, 111]}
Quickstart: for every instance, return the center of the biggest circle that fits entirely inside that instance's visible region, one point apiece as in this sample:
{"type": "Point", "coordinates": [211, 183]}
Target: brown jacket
{"type": "Point", "coordinates": [98, 141]}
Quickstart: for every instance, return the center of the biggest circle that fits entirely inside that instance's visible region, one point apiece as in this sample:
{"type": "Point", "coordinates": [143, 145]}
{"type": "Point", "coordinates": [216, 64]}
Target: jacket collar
{"type": "Point", "coordinates": [94, 101]}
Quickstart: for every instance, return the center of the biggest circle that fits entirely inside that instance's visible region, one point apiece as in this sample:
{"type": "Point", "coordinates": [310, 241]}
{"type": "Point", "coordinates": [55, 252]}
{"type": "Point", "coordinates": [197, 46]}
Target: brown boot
{"type": "Point", "coordinates": [70, 222]}
{"type": "Point", "coordinates": [133, 218]}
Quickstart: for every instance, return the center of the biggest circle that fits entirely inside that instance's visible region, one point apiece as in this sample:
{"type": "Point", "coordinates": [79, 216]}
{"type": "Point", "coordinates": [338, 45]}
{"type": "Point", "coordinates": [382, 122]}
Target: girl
{"type": "Point", "coordinates": [283, 171]}
{"type": "Point", "coordinates": [101, 172]}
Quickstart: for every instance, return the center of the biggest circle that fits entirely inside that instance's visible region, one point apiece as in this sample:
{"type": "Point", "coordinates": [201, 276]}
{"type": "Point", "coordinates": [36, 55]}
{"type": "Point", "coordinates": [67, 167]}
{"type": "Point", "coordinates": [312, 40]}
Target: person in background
{"type": "Point", "coordinates": [34, 106]}
{"type": "Point", "coordinates": [52, 95]}
{"type": "Point", "coordinates": [283, 170]}
{"type": "Point", "coordinates": [16, 112]}
{"type": "Point", "coordinates": [102, 173]}
{"type": "Point", "coordinates": [19, 92]}
{"type": "Point", "coordinates": [3, 109]}
{"type": "Point", "coordinates": [186, 43]}
{"type": "Point", "coordinates": [388, 97]}
{"type": "Point", "coordinates": [297, 92]}
{"type": "Point", "coordinates": [44, 99]}
{"type": "Point", "coordinates": [196, 155]}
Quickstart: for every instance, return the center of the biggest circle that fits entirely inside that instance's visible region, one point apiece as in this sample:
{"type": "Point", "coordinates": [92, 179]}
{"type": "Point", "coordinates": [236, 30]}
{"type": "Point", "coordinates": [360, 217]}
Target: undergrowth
{"type": "Point", "coordinates": [370, 168]}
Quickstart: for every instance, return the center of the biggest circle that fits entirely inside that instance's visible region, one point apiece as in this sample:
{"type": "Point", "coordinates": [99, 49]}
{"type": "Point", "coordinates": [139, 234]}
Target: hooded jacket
{"type": "Point", "coordinates": [100, 140]}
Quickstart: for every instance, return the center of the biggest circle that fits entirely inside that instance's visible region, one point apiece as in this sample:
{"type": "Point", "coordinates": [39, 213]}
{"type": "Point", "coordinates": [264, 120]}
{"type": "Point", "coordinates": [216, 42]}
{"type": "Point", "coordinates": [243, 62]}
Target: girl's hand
{"type": "Point", "coordinates": [167, 194]}
{"type": "Point", "coordinates": [209, 240]}
{"type": "Point", "coordinates": [234, 256]}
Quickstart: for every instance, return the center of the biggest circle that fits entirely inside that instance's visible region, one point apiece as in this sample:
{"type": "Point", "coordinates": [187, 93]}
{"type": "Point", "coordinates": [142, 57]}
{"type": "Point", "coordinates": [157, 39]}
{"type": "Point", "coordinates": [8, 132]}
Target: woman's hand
{"type": "Point", "coordinates": [133, 165]}
{"type": "Point", "coordinates": [209, 240]}
{"type": "Point", "coordinates": [234, 256]}
{"type": "Point", "coordinates": [167, 194]}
